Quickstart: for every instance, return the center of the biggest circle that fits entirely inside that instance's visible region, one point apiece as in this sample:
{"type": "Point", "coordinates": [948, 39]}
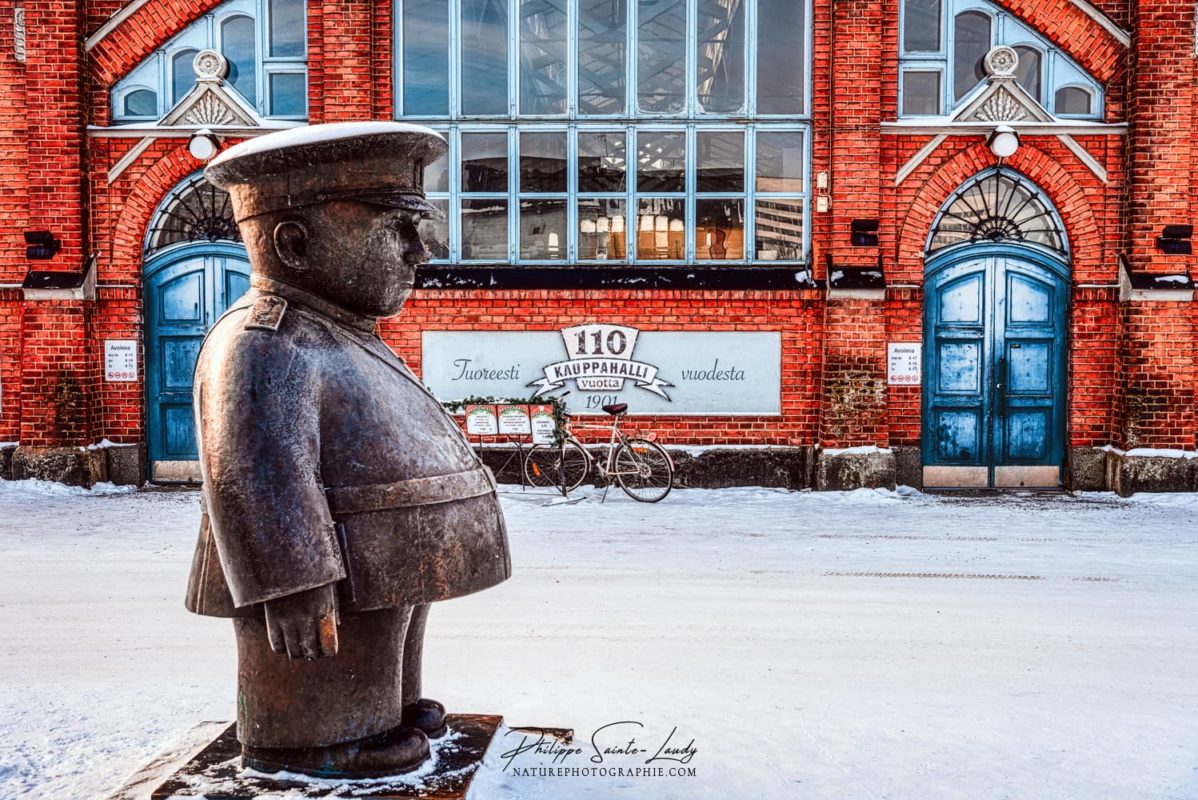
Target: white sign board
{"type": "Point", "coordinates": [904, 363]}
{"type": "Point", "coordinates": [513, 421]}
{"type": "Point", "coordinates": [480, 421]}
{"type": "Point", "coordinates": [543, 424]}
{"type": "Point", "coordinates": [654, 372]}
{"type": "Point", "coordinates": [120, 360]}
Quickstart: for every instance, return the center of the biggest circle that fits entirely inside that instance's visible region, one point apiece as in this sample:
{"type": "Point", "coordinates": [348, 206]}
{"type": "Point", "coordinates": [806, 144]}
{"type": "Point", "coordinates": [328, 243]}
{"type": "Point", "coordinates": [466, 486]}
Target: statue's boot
{"type": "Point", "coordinates": [399, 750]}
{"type": "Point", "coordinates": [428, 716]}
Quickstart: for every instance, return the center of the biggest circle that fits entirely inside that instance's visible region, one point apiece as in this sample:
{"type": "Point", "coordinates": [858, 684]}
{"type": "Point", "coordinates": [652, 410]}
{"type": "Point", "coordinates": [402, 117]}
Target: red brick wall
{"type": "Point", "coordinates": [1130, 381]}
{"type": "Point", "coordinates": [797, 315]}
{"type": "Point", "coordinates": [1161, 115]}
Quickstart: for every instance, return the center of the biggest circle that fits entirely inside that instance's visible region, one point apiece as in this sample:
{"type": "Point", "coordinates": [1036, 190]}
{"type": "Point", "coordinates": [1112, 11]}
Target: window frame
{"type": "Point", "coordinates": [746, 120]}
{"type": "Point", "coordinates": [1057, 68]}
{"type": "Point", "coordinates": [207, 33]}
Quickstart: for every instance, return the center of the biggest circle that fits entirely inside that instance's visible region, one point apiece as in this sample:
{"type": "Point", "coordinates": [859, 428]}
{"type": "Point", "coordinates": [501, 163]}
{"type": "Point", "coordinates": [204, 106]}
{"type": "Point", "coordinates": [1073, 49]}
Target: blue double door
{"type": "Point", "coordinates": [185, 292]}
{"type": "Point", "coordinates": [994, 383]}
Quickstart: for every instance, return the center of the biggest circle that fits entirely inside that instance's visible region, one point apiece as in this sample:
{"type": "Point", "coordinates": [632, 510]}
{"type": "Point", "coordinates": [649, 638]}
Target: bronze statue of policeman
{"type": "Point", "coordinates": [340, 499]}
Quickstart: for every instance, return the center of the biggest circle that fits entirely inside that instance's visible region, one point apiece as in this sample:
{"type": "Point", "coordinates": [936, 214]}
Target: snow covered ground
{"type": "Point", "coordinates": [863, 645]}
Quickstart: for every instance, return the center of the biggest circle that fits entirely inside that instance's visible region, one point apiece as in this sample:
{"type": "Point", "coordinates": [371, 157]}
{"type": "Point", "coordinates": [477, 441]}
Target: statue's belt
{"type": "Point", "coordinates": [409, 493]}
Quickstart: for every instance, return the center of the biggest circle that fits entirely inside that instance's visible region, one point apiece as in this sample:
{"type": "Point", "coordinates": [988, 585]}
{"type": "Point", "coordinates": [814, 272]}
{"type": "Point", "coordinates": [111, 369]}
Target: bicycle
{"type": "Point", "coordinates": [642, 467]}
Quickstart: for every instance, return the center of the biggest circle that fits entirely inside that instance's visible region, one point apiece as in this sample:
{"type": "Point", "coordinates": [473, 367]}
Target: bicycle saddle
{"type": "Point", "coordinates": [616, 409]}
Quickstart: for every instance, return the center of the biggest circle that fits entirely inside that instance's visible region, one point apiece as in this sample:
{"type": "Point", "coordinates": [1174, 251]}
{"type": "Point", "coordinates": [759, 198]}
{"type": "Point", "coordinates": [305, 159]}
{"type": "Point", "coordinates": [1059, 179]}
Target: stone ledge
{"type": "Point", "coordinates": [73, 466]}
{"type": "Point", "coordinates": [855, 469]}
{"type": "Point", "coordinates": [1128, 474]}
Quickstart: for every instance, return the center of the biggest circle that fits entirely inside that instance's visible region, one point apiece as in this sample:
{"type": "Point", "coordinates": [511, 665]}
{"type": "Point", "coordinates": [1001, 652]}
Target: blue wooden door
{"type": "Point", "coordinates": [185, 292]}
{"type": "Point", "coordinates": [995, 345]}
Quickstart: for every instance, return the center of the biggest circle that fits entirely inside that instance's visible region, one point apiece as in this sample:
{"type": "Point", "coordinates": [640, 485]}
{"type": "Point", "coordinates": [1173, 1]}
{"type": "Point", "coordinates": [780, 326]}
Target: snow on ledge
{"type": "Point", "coordinates": [33, 488]}
{"type": "Point", "coordinates": [10, 444]}
{"type": "Point", "coordinates": [698, 450]}
{"type": "Point", "coordinates": [855, 451]}
{"type": "Point", "coordinates": [1150, 452]}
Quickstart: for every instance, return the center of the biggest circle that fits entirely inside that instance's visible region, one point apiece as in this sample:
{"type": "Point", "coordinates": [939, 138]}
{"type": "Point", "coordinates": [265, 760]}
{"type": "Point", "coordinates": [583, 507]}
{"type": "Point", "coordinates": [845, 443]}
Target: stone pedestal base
{"type": "Point", "coordinates": [213, 772]}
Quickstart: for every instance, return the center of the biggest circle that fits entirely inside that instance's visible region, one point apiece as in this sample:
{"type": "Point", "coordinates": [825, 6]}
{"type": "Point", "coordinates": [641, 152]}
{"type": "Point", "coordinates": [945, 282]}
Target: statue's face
{"type": "Point", "coordinates": [363, 256]}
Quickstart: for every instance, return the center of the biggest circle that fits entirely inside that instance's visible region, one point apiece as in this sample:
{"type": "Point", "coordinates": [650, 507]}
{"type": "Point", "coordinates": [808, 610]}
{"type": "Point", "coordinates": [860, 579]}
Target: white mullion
{"type": "Point", "coordinates": [455, 195]}
{"type": "Point", "coordinates": [750, 234]}
{"type": "Point", "coordinates": [454, 54]}
{"type": "Point", "coordinates": [571, 59]}
{"type": "Point", "coordinates": [397, 58]}
{"type": "Point", "coordinates": [751, 60]}
{"type": "Point", "coordinates": [513, 186]}
{"type": "Point", "coordinates": [513, 59]}
{"type": "Point", "coordinates": [631, 71]}
{"type": "Point", "coordinates": [633, 213]}
{"type": "Point", "coordinates": [571, 192]}
{"type": "Point", "coordinates": [691, 104]}
{"type": "Point", "coordinates": [689, 191]}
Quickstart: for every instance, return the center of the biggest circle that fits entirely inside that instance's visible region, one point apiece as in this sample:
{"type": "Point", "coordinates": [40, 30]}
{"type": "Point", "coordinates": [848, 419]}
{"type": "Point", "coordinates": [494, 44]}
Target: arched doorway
{"type": "Point", "coordinates": [195, 268]}
{"type": "Point", "coordinates": [996, 295]}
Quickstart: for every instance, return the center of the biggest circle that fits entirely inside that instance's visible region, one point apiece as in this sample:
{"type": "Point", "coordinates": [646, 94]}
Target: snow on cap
{"type": "Point", "coordinates": [377, 162]}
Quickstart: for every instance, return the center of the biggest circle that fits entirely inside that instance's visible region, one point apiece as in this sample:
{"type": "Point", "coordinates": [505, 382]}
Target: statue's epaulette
{"type": "Point", "coordinates": [266, 313]}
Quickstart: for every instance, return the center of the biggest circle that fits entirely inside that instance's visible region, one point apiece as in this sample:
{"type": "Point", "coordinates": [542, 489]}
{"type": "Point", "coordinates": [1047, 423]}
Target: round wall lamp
{"type": "Point", "coordinates": [1003, 141]}
{"type": "Point", "coordinates": [203, 145]}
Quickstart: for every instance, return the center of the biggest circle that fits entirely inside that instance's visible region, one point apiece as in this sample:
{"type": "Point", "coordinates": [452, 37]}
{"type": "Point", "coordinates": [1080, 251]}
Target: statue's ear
{"type": "Point", "coordinates": [291, 243]}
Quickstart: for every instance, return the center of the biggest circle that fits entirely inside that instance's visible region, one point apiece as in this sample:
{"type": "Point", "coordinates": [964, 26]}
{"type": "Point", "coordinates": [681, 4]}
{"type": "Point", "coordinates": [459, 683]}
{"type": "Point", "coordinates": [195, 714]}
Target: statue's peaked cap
{"type": "Point", "coordinates": [383, 161]}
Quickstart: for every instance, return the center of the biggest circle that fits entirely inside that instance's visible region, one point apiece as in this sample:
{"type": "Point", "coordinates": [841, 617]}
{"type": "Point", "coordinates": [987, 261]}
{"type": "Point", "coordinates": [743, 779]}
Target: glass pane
{"type": "Point", "coordinates": [601, 161]}
{"type": "Point", "coordinates": [1073, 100]}
{"type": "Point", "coordinates": [781, 56]}
{"type": "Point", "coordinates": [543, 230]}
{"type": "Point", "coordinates": [921, 26]}
{"type": "Point", "coordinates": [484, 230]}
{"type": "Point", "coordinates": [435, 232]}
{"type": "Point", "coordinates": [720, 161]}
{"type": "Point", "coordinates": [287, 28]}
{"type": "Point", "coordinates": [601, 226]}
{"type": "Point", "coordinates": [289, 94]}
{"type": "Point", "coordinates": [484, 56]}
{"type": "Point", "coordinates": [183, 73]}
{"type": "Point", "coordinates": [779, 229]}
{"type": "Point", "coordinates": [425, 58]}
{"type": "Point", "coordinates": [436, 175]}
{"type": "Point", "coordinates": [543, 56]}
{"type": "Point", "coordinates": [971, 31]}
{"type": "Point", "coordinates": [661, 55]}
{"type": "Point", "coordinates": [143, 103]}
{"type": "Point", "coordinates": [921, 93]}
{"type": "Point", "coordinates": [1027, 74]}
{"type": "Point", "coordinates": [720, 229]}
{"type": "Point", "coordinates": [720, 59]}
{"type": "Point", "coordinates": [602, 30]}
{"type": "Point", "coordinates": [780, 158]}
{"type": "Point", "coordinates": [543, 162]}
{"type": "Point", "coordinates": [661, 161]}
{"type": "Point", "coordinates": [661, 230]}
{"type": "Point", "coordinates": [237, 45]}
{"type": "Point", "coordinates": [484, 162]}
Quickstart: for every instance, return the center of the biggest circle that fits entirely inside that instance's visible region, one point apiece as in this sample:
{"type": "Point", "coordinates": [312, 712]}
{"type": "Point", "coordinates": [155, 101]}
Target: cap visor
{"type": "Point", "coordinates": [408, 202]}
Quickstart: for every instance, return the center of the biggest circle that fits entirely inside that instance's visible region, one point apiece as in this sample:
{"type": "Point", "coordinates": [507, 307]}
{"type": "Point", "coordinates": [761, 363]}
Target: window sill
{"type": "Point", "coordinates": [506, 276]}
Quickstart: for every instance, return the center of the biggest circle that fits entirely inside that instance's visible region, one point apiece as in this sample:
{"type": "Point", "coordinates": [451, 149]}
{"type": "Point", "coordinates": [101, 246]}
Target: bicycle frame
{"type": "Point", "coordinates": [605, 467]}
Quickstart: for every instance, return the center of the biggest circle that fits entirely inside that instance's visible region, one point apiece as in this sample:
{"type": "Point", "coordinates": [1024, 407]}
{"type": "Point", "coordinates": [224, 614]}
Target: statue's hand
{"type": "Point", "coordinates": [304, 625]}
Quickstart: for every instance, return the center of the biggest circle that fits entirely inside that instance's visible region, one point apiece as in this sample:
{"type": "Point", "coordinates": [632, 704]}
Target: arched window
{"type": "Point", "coordinates": [1075, 101]}
{"type": "Point", "coordinates": [238, 46]}
{"type": "Point", "coordinates": [942, 46]}
{"type": "Point", "coordinates": [645, 131]}
{"type": "Point", "coordinates": [1027, 74]}
{"type": "Point", "coordinates": [998, 205]}
{"type": "Point", "coordinates": [140, 103]}
{"type": "Point", "coordinates": [196, 211]}
{"type": "Point", "coordinates": [244, 31]}
{"type": "Point", "coordinates": [971, 42]}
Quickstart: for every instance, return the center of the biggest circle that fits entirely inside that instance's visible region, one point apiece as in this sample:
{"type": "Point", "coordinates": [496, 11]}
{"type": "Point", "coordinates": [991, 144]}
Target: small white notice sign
{"type": "Point", "coordinates": [904, 363]}
{"type": "Point", "coordinates": [120, 360]}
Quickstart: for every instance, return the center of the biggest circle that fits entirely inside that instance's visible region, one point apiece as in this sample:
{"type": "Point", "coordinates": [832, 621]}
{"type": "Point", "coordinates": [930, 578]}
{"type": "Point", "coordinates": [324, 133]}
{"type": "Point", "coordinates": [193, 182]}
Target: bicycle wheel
{"type": "Point", "coordinates": [644, 470]}
{"type": "Point", "coordinates": [546, 465]}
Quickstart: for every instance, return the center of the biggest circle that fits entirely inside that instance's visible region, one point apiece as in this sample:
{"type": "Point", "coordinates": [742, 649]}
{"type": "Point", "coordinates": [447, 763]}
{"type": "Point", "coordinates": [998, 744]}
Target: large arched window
{"type": "Point", "coordinates": [195, 211]}
{"type": "Point", "coordinates": [998, 205]}
{"type": "Point", "coordinates": [942, 47]}
{"type": "Point", "coordinates": [612, 131]}
{"type": "Point", "coordinates": [264, 42]}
